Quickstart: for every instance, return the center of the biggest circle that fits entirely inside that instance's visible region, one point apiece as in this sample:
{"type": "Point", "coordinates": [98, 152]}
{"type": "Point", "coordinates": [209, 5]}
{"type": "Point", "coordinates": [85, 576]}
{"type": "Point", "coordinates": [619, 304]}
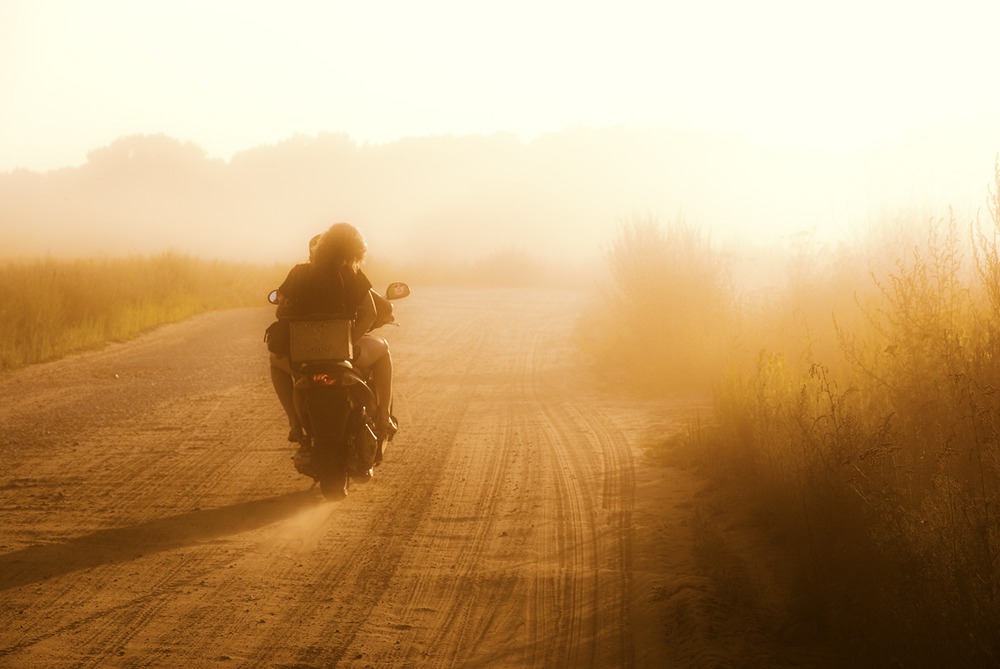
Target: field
{"type": "Point", "coordinates": [53, 307]}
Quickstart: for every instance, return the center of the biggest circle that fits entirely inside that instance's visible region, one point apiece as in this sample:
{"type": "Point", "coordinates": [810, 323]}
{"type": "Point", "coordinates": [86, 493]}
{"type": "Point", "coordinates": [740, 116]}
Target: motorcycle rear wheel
{"type": "Point", "coordinates": [334, 487]}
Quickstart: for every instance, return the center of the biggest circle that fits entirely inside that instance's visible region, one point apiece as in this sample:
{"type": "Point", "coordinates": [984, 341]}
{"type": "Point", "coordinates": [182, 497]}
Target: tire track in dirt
{"type": "Point", "coordinates": [465, 524]}
{"type": "Point", "coordinates": [517, 517]}
{"type": "Point", "coordinates": [439, 422]}
{"type": "Point", "coordinates": [615, 517]}
{"type": "Point", "coordinates": [591, 461]}
{"type": "Point", "coordinates": [437, 608]}
{"type": "Point", "coordinates": [563, 582]}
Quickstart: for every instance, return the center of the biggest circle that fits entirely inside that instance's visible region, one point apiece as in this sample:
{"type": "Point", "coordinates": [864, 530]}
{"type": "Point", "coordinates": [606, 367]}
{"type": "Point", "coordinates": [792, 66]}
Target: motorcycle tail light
{"type": "Point", "coordinates": [324, 379]}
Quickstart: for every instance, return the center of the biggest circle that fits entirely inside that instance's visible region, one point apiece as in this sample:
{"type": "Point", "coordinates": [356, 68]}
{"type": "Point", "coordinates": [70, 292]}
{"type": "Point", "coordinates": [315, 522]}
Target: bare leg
{"type": "Point", "coordinates": [382, 378]}
{"type": "Point", "coordinates": [281, 379]}
{"type": "Point", "coordinates": [374, 355]}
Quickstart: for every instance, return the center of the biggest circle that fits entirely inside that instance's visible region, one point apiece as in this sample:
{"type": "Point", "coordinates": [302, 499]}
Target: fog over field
{"type": "Point", "coordinates": [557, 198]}
{"type": "Point", "coordinates": [452, 130]}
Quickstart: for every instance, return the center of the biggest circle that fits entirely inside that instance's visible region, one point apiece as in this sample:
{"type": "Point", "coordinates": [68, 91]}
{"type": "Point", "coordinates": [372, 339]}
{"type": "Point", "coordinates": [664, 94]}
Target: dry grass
{"type": "Point", "coordinates": [50, 308]}
{"type": "Point", "coordinates": [859, 418]}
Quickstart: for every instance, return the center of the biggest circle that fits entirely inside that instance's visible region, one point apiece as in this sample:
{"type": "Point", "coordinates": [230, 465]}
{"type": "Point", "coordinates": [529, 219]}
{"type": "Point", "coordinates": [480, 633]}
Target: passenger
{"type": "Point", "coordinates": [281, 370]}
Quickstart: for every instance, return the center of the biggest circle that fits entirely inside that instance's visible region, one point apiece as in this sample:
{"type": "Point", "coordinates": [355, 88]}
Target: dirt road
{"type": "Point", "coordinates": [150, 515]}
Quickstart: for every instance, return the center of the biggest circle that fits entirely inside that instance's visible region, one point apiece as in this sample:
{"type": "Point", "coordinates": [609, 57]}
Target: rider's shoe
{"type": "Point", "coordinates": [302, 458]}
{"type": "Point", "coordinates": [386, 428]}
{"type": "Point", "coordinates": [295, 434]}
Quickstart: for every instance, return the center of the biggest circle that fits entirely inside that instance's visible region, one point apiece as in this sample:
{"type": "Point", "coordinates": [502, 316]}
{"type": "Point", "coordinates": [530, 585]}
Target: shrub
{"type": "Point", "coordinates": [666, 307]}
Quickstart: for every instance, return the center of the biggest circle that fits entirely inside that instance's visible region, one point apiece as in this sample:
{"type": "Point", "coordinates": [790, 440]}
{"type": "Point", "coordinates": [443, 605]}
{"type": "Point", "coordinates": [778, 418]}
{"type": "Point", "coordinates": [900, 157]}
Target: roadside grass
{"type": "Point", "coordinates": [858, 420]}
{"type": "Point", "coordinates": [50, 308]}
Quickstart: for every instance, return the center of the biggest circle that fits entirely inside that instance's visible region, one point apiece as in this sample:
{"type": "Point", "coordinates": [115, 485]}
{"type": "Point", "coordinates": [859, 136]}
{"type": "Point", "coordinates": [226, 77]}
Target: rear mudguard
{"type": "Point", "coordinates": [329, 395]}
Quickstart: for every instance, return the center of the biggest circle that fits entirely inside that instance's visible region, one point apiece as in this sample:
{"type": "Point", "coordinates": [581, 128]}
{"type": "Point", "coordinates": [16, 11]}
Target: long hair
{"type": "Point", "coordinates": [341, 245]}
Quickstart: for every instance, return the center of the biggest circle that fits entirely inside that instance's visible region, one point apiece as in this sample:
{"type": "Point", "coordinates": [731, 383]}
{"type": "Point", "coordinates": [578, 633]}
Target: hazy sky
{"type": "Point", "coordinates": [229, 75]}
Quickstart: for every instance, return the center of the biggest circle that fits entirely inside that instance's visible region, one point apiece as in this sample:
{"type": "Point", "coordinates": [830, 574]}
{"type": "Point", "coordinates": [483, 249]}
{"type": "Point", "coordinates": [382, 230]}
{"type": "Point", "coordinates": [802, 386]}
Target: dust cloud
{"type": "Point", "coordinates": [557, 198]}
{"type": "Point", "coordinates": [300, 533]}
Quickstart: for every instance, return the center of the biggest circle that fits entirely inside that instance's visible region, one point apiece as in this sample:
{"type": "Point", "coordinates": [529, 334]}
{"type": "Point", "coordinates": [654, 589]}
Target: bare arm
{"type": "Point", "coordinates": [366, 316]}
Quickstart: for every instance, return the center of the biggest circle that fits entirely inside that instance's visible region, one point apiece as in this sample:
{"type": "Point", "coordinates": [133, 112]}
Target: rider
{"type": "Point", "coordinates": [333, 282]}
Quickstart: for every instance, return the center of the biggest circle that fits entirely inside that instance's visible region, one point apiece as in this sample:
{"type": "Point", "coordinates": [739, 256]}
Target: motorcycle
{"type": "Point", "coordinates": [335, 399]}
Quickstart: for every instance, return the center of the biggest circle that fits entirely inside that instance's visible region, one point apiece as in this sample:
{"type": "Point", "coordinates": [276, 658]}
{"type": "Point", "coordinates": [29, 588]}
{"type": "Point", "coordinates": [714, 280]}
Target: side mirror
{"type": "Point", "coordinates": [397, 291]}
{"type": "Point", "coordinates": [272, 297]}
